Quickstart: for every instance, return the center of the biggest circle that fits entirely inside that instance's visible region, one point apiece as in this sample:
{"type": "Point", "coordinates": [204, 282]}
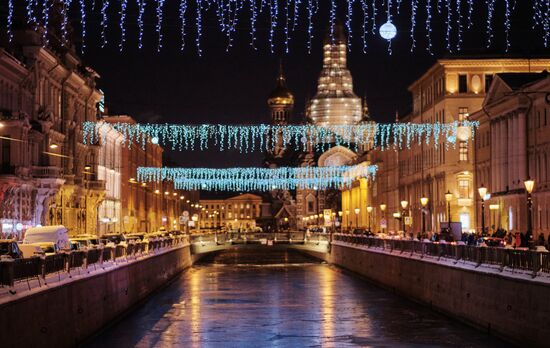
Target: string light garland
{"type": "Point", "coordinates": [257, 178]}
{"type": "Point", "coordinates": [266, 137]}
{"type": "Point", "coordinates": [283, 17]}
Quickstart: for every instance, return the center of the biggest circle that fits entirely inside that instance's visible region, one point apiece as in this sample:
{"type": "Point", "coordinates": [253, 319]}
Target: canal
{"type": "Point", "coordinates": [254, 298]}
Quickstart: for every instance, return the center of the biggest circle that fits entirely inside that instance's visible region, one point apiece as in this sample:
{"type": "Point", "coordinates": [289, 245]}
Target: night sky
{"type": "Point", "coordinates": [232, 87]}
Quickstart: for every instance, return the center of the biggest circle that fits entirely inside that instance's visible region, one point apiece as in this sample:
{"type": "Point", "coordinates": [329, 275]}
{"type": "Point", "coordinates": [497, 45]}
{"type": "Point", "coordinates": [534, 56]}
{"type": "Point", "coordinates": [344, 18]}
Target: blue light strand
{"type": "Point", "coordinates": [244, 137]}
{"type": "Point", "coordinates": [83, 24]}
{"type": "Point", "coordinates": [287, 23]}
{"type": "Point", "coordinates": [45, 19]}
{"type": "Point", "coordinates": [253, 20]}
{"type": "Point", "coordinates": [507, 23]}
{"type": "Point", "coordinates": [309, 25]}
{"type": "Point", "coordinates": [123, 4]}
{"type": "Point", "coordinates": [31, 18]}
{"type": "Point", "coordinates": [9, 21]}
{"type": "Point", "coordinates": [332, 20]}
{"type": "Point", "coordinates": [365, 8]}
{"type": "Point", "coordinates": [459, 20]}
{"type": "Point", "coordinates": [104, 22]}
{"type": "Point", "coordinates": [448, 24]}
{"type": "Point", "coordinates": [257, 178]}
{"type": "Point", "coordinates": [64, 20]}
{"type": "Point", "coordinates": [458, 17]}
{"type": "Point", "coordinates": [349, 15]}
{"type": "Point", "coordinates": [429, 26]}
{"type": "Point", "coordinates": [141, 10]}
{"type": "Point", "coordinates": [273, 18]}
{"type": "Point", "coordinates": [489, 27]}
{"type": "Point", "coordinates": [413, 23]}
{"type": "Point", "coordinates": [470, 13]}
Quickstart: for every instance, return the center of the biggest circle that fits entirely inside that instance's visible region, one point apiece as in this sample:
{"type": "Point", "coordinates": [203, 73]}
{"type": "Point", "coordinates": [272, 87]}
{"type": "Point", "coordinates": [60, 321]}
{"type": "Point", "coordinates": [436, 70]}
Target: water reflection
{"type": "Point", "coordinates": [215, 305]}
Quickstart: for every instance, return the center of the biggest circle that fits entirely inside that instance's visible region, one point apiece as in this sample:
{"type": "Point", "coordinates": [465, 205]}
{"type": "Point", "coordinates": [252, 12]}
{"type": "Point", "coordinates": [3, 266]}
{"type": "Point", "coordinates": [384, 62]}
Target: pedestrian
{"type": "Point", "coordinates": [517, 243]}
{"type": "Point", "coordinates": [541, 239]}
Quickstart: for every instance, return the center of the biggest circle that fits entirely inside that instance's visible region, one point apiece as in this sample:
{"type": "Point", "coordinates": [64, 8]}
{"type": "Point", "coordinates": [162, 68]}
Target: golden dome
{"type": "Point", "coordinates": [281, 95]}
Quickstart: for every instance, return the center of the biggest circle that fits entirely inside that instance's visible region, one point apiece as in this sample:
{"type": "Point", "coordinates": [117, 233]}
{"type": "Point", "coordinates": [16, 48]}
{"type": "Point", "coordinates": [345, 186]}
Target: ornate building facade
{"type": "Point", "coordinates": [46, 94]}
{"type": "Point", "coordinates": [513, 145]}
{"type": "Point", "coordinates": [451, 90]}
{"type": "Point", "coordinates": [233, 213]}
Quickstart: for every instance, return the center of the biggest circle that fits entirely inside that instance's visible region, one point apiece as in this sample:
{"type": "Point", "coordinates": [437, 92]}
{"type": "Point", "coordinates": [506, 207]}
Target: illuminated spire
{"type": "Point", "coordinates": [335, 102]}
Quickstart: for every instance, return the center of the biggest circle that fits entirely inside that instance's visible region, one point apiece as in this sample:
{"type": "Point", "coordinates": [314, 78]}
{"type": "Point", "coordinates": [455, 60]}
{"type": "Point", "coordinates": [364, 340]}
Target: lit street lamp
{"type": "Point", "coordinates": [369, 211]}
{"type": "Point", "coordinates": [357, 211]}
{"type": "Point", "coordinates": [424, 202]}
{"type": "Point", "coordinates": [347, 217]}
{"type": "Point", "coordinates": [383, 210]}
{"type": "Point", "coordinates": [482, 193]}
{"type": "Point", "coordinates": [529, 186]}
{"type": "Point", "coordinates": [404, 205]}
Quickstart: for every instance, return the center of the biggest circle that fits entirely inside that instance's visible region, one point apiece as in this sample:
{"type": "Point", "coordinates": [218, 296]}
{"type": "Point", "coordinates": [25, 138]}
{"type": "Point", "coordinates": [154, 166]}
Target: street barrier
{"type": "Point", "coordinates": [513, 260]}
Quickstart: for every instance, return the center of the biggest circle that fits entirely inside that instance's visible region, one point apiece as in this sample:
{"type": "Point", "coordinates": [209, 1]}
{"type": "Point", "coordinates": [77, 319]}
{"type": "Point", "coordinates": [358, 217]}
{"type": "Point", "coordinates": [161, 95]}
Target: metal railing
{"type": "Point", "coordinates": [535, 262]}
{"type": "Point", "coordinates": [39, 268]}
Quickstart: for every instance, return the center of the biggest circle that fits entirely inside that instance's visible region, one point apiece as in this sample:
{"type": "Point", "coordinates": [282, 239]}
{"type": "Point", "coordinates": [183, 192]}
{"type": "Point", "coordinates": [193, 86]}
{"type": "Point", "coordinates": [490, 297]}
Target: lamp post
{"type": "Point", "coordinates": [357, 211]}
{"type": "Point", "coordinates": [404, 205]}
{"type": "Point", "coordinates": [424, 203]}
{"type": "Point", "coordinates": [449, 198]}
{"type": "Point", "coordinates": [340, 213]}
{"type": "Point", "coordinates": [529, 186]}
{"type": "Point", "coordinates": [347, 217]}
{"type": "Point", "coordinates": [369, 211]}
{"type": "Point", "coordinates": [383, 210]}
{"type": "Point", "coordinates": [482, 193]}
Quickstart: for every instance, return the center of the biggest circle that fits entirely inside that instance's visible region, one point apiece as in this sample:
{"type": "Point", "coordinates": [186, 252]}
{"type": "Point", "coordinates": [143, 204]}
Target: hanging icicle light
{"type": "Point", "coordinates": [282, 17]}
{"type": "Point", "coordinates": [266, 137]}
{"type": "Point", "coordinates": [257, 179]}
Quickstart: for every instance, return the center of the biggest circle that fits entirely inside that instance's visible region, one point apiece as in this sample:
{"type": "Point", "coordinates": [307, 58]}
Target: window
{"type": "Point", "coordinates": [463, 151]}
{"type": "Point", "coordinates": [463, 114]}
{"type": "Point", "coordinates": [462, 83]}
{"type": "Point", "coordinates": [464, 188]}
{"type": "Point", "coordinates": [465, 220]}
{"type": "Point", "coordinates": [488, 81]}
{"type": "Point", "coordinates": [310, 208]}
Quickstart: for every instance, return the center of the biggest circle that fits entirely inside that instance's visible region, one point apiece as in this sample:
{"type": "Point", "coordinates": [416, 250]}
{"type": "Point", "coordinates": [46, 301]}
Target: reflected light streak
{"type": "Point", "coordinates": [327, 303]}
{"type": "Point", "coordinates": [196, 308]}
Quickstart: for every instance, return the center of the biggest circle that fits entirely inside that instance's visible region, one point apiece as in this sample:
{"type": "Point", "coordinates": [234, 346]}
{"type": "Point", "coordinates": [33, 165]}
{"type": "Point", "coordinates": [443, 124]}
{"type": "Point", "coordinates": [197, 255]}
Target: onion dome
{"type": "Point", "coordinates": [281, 95]}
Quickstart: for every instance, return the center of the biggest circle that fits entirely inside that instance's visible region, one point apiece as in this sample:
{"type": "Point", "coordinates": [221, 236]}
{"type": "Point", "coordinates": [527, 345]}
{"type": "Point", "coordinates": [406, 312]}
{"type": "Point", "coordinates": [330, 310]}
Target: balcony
{"type": "Point", "coordinates": [49, 172]}
{"type": "Point", "coordinates": [98, 185]}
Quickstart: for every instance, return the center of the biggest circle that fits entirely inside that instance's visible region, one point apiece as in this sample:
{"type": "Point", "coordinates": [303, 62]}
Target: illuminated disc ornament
{"type": "Point", "coordinates": [155, 140]}
{"type": "Point", "coordinates": [388, 31]}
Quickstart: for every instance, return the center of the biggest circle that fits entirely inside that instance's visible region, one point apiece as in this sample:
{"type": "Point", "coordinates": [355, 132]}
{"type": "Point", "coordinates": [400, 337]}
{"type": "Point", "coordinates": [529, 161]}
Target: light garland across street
{"type": "Point", "coordinates": [266, 137]}
{"type": "Point", "coordinates": [257, 178]}
{"type": "Point", "coordinates": [282, 18]}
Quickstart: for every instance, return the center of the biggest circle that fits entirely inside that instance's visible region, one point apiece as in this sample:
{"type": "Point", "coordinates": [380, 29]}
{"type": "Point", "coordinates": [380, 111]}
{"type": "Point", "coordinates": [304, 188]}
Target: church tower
{"type": "Point", "coordinates": [281, 101]}
{"type": "Point", "coordinates": [335, 102]}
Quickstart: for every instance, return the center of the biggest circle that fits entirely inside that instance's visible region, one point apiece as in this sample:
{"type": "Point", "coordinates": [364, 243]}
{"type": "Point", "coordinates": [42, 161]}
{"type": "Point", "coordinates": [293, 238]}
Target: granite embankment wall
{"type": "Point", "coordinates": [65, 315]}
{"type": "Point", "coordinates": [507, 306]}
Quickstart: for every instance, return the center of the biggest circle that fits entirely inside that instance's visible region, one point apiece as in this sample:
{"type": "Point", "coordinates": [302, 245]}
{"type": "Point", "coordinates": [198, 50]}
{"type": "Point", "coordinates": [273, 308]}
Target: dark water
{"type": "Point", "coordinates": [285, 301]}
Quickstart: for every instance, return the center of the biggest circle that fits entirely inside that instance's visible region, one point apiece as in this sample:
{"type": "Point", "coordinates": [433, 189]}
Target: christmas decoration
{"type": "Point", "coordinates": [282, 18]}
{"type": "Point", "coordinates": [257, 179]}
{"type": "Point", "coordinates": [266, 137]}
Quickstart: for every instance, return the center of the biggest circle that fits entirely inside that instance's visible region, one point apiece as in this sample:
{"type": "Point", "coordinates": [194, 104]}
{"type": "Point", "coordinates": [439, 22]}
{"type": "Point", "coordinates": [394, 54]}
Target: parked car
{"type": "Point", "coordinates": [112, 239]}
{"type": "Point", "coordinates": [45, 235]}
{"type": "Point", "coordinates": [9, 247]}
{"type": "Point", "coordinates": [84, 241]}
{"type": "Point", "coordinates": [135, 237]}
{"type": "Point", "coordinates": [30, 250]}
{"type": "Point", "coordinates": [317, 229]}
